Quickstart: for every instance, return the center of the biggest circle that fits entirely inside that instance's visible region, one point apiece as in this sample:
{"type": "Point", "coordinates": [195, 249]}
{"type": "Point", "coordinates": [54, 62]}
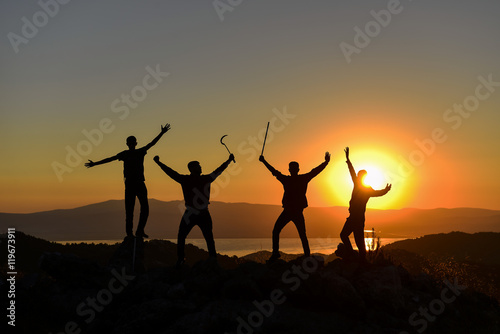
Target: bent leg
{"type": "Point", "coordinates": [300, 223]}
{"type": "Point", "coordinates": [281, 222]}
{"type": "Point", "coordinates": [346, 232]}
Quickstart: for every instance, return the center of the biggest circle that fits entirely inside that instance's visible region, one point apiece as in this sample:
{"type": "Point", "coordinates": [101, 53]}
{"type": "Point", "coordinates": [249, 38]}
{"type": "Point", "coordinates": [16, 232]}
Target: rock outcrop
{"type": "Point", "coordinates": [303, 295]}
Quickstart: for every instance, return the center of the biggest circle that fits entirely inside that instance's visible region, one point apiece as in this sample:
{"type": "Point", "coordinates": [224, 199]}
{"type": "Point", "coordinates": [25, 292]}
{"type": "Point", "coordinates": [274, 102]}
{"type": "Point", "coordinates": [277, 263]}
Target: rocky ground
{"type": "Point", "coordinates": [72, 294]}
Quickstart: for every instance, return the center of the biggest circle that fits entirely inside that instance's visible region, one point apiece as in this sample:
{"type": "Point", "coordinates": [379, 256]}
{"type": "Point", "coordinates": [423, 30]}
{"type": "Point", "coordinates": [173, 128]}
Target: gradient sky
{"type": "Point", "coordinates": [232, 77]}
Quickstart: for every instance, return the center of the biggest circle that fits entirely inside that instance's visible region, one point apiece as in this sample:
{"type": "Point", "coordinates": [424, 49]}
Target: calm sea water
{"type": "Point", "coordinates": [242, 247]}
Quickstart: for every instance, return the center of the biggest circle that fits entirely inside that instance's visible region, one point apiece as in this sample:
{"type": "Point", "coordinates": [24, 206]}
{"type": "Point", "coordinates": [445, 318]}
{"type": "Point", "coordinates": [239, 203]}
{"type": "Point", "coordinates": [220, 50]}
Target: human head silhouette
{"type": "Point", "coordinates": [131, 142]}
{"type": "Point", "coordinates": [194, 168]}
{"type": "Point", "coordinates": [293, 168]}
{"type": "Point", "coordinates": [362, 174]}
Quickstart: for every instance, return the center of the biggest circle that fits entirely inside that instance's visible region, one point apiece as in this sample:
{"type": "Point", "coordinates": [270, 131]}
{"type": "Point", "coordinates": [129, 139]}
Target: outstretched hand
{"type": "Point", "coordinates": [327, 156]}
{"type": "Point", "coordinates": [231, 157]}
{"type": "Point", "coordinates": [165, 128]}
{"type": "Point", "coordinates": [346, 150]}
{"type": "Point", "coordinates": [388, 187]}
{"type": "Point", "coordinates": [156, 159]}
{"type": "Point", "coordinates": [89, 164]}
{"type": "Point", "coordinates": [261, 158]}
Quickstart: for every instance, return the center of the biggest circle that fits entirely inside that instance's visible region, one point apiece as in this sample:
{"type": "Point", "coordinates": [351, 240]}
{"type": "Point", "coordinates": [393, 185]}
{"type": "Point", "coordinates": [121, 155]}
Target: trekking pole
{"type": "Point", "coordinates": [264, 145]}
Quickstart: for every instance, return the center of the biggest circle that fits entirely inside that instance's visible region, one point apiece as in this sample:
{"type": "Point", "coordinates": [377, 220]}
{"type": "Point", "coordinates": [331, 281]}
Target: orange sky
{"type": "Point", "coordinates": [232, 77]}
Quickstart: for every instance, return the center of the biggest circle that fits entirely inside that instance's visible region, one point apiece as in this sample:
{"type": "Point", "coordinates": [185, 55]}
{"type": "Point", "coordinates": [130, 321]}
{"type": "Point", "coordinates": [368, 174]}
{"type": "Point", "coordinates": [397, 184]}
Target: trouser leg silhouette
{"type": "Point", "coordinates": [135, 189]}
{"type": "Point", "coordinates": [356, 226]}
{"type": "Point", "coordinates": [359, 238]}
{"type": "Point", "coordinates": [184, 228]}
{"type": "Point", "coordinates": [142, 196]}
{"type": "Point", "coordinates": [345, 233]}
{"type": "Point", "coordinates": [130, 194]}
{"type": "Point", "coordinates": [300, 224]}
{"type": "Point", "coordinates": [189, 220]}
{"type": "Point", "coordinates": [205, 224]}
{"type": "Point", "coordinates": [281, 222]}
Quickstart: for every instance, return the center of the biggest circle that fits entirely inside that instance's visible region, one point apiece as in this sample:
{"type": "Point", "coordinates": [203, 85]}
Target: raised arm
{"type": "Point", "coordinates": [222, 167]}
{"type": "Point", "coordinates": [100, 162]}
{"type": "Point", "coordinates": [349, 165]}
{"type": "Point", "coordinates": [273, 170]}
{"type": "Point", "coordinates": [382, 192]}
{"type": "Point", "coordinates": [154, 141]}
{"type": "Point", "coordinates": [169, 171]}
{"type": "Point", "coordinates": [315, 171]}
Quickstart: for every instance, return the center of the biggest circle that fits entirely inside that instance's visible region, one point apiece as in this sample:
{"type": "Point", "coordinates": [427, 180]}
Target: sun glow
{"type": "Point", "coordinates": [374, 178]}
{"type": "Point", "coordinates": [381, 167]}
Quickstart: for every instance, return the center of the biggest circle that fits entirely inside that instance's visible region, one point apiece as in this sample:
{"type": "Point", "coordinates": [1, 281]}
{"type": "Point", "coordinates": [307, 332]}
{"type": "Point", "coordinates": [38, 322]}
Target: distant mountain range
{"type": "Point", "coordinates": [106, 220]}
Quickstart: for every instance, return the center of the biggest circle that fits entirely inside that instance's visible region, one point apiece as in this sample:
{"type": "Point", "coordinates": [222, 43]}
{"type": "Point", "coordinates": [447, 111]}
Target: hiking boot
{"type": "Point", "coordinates": [141, 235]}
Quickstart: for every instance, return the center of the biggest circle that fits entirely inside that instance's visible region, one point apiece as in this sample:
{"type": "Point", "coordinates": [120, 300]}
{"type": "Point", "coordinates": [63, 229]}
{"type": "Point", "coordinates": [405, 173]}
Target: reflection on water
{"type": "Point", "coordinates": [372, 240]}
{"type": "Point", "coordinates": [241, 247]}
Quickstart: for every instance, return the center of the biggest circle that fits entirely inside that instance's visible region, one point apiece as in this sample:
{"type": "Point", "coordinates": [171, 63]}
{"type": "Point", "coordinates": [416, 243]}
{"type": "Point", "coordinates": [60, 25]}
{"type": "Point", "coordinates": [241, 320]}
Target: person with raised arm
{"type": "Point", "coordinates": [294, 201]}
{"type": "Point", "coordinates": [196, 191]}
{"type": "Point", "coordinates": [133, 172]}
{"type": "Point", "coordinates": [355, 223]}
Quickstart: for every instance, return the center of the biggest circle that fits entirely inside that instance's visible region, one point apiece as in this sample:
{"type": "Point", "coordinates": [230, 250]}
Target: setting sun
{"type": "Point", "coordinates": [374, 178]}
{"type": "Point", "coordinates": [381, 167]}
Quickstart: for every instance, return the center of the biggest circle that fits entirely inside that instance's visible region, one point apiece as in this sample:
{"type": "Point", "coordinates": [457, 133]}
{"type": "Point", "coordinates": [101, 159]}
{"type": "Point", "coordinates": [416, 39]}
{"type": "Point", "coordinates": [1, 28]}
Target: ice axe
{"type": "Point", "coordinates": [226, 146]}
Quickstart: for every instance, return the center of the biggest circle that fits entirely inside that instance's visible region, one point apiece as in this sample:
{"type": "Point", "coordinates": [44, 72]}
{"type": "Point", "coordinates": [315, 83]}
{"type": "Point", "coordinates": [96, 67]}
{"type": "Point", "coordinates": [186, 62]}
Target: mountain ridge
{"type": "Point", "coordinates": [105, 220]}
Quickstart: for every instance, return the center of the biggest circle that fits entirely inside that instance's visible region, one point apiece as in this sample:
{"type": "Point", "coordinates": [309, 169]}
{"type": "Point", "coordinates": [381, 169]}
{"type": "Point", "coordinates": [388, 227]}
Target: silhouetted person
{"type": "Point", "coordinates": [294, 201]}
{"type": "Point", "coordinates": [355, 223]}
{"type": "Point", "coordinates": [196, 191]}
{"type": "Point", "coordinates": [133, 171]}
